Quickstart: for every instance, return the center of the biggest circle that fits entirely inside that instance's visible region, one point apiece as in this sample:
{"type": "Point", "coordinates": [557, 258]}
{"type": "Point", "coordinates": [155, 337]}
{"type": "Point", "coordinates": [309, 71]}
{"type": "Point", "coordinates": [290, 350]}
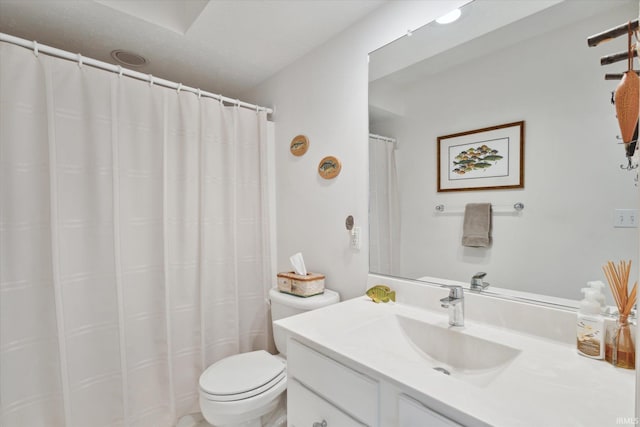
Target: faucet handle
{"type": "Point", "coordinates": [476, 281]}
{"type": "Point", "coordinates": [456, 292]}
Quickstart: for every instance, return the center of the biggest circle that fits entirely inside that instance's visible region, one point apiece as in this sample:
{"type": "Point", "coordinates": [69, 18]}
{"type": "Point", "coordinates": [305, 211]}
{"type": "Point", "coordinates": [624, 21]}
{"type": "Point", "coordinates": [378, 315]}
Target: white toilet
{"type": "Point", "coordinates": [239, 390]}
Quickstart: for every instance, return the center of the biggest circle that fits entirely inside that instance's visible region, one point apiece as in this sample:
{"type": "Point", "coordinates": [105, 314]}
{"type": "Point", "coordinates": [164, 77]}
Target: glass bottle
{"type": "Point", "coordinates": [621, 350]}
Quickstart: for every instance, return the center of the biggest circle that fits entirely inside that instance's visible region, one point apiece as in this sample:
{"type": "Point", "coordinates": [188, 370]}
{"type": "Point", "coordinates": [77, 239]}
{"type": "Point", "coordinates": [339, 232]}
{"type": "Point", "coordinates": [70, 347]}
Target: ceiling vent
{"type": "Point", "coordinates": [129, 59]}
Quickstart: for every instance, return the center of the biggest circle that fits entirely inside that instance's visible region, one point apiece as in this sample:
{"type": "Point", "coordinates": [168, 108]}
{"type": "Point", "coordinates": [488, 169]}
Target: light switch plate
{"type": "Point", "coordinates": [355, 238]}
{"type": "Point", "coordinates": [625, 218]}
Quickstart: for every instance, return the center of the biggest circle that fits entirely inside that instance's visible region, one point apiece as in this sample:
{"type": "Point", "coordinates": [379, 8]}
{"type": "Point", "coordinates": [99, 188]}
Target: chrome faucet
{"type": "Point", "coordinates": [476, 281]}
{"type": "Point", "coordinates": [455, 303]}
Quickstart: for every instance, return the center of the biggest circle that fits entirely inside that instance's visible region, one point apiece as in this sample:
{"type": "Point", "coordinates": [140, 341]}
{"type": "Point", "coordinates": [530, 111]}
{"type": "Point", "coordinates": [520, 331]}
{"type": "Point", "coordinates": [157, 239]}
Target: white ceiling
{"type": "Point", "coordinates": [222, 46]}
{"type": "Point", "coordinates": [485, 27]}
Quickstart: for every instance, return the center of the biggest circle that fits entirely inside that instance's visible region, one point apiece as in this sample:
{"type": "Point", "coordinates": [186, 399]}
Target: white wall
{"type": "Point", "coordinates": [324, 96]}
{"type": "Point", "coordinates": [572, 179]}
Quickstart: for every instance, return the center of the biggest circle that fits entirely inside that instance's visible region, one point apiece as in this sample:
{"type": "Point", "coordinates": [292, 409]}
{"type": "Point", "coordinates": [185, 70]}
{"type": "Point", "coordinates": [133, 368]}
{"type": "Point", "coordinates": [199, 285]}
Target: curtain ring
{"type": "Point", "coordinates": [179, 88]}
{"type": "Point", "coordinates": [79, 61]}
{"type": "Point", "coordinates": [120, 70]}
{"type": "Point", "coordinates": [150, 80]}
{"type": "Point", "coordinates": [199, 93]}
{"type": "Point", "coordinates": [35, 48]}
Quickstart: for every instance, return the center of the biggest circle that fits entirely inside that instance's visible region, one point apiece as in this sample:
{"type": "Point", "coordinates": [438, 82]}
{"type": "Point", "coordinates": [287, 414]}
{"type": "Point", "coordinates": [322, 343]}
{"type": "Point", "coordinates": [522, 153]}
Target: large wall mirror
{"type": "Point", "coordinates": [504, 62]}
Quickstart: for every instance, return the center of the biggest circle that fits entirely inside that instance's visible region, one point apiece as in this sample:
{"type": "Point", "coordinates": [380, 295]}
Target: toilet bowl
{"type": "Point", "coordinates": [240, 390]}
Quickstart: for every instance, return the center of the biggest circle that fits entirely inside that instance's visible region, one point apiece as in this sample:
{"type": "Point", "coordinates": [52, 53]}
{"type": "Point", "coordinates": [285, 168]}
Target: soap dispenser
{"type": "Point", "coordinates": [598, 286]}
{"type": "Point", "coordinates": [590, 326]}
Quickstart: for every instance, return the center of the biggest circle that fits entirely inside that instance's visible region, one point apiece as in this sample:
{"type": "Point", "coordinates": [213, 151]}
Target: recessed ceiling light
{"type": "Point", "coordinates": [129, 59]}
{"type": "Point", "coordinates": [449, 17]}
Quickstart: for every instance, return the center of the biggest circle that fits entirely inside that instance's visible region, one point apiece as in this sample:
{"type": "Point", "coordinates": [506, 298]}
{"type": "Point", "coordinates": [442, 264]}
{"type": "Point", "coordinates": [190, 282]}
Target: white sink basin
{"type": "Point", "coordinates": [455, 349]}
{"type": "Point", "coordinates": [448, 350]}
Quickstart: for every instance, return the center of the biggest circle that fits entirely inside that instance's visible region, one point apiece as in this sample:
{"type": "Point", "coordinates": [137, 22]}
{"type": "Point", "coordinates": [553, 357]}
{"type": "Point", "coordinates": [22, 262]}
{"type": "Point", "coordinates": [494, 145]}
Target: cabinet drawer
{"type": "Point", "coordinates": [304, 408]}
{"type": "Point", "coordinates": [412, 413]}
{"type": "Point", "coordinates": [336, 383]}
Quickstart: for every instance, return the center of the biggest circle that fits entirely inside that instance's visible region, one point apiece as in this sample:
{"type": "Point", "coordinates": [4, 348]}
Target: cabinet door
{"type": "Point", "coordinates": [334, 382]}
{"type": "Point", "coordinates": [412, 413]}
{"type": "Point", "coordinates": [305, 409]}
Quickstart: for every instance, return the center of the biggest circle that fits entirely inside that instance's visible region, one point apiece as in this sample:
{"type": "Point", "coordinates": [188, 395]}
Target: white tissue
{"type": "Point", "coordinates": [298, 264]}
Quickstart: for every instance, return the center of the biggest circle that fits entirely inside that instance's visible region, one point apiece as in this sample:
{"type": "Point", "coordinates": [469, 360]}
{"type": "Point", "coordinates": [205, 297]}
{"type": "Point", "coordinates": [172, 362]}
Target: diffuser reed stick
{"type": "Point", "coordinates": [621, 351]}
{"type": "Point", "coordinates": [618, 278]}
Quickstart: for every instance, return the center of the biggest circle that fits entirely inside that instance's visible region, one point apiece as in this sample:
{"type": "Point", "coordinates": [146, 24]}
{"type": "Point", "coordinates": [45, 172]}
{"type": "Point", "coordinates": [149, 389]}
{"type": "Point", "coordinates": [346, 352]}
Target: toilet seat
{"type": "Point", "coordinates": [242, 376]}
{"type": "Point", "coordinates": [248, 394]}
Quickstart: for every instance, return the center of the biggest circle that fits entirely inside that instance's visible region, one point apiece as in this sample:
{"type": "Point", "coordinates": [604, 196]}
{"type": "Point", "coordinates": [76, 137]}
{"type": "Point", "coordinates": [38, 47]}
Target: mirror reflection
{"type": "Point", "coordinates": [500, 63]}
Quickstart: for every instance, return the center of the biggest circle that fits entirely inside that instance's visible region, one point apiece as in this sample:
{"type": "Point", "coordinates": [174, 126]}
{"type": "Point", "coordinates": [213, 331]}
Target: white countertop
{"type": "Point", "coordinates": [547, 384]}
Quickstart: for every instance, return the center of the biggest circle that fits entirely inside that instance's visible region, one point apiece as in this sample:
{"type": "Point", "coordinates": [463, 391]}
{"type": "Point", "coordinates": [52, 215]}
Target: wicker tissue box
{"type": "Point", "coordinates": [302, 286]}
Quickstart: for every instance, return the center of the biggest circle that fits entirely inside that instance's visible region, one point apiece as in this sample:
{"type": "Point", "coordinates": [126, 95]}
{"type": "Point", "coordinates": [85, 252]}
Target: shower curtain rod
{"type": "Point", "coordinates": [40, 48]}
{"type": "Point", "coordinates": [383, 138]}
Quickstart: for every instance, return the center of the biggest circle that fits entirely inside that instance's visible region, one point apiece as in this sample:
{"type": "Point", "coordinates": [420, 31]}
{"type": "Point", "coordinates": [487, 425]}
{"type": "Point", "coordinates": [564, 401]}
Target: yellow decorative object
{"type": "Point", "coordinates": [381, 293]}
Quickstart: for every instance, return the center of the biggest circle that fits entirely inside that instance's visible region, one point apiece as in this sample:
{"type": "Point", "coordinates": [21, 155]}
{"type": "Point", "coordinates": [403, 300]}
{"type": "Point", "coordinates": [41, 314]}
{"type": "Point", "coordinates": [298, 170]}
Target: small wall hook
{"type": "Point", "coordinates": [349, 223]}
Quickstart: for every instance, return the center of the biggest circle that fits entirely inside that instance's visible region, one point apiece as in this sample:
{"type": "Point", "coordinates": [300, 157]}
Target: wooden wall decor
{"type": "Point", "coordinates": [329, 167]}
{"type": "Point", "coordinates": [627, 96]}
{"type": "Point", "coordinates": [299, 145]}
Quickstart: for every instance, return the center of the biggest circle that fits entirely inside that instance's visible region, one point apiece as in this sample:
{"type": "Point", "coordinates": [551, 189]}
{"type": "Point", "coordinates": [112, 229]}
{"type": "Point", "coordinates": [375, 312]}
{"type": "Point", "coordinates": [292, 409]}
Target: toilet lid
{"type": "Point", "coordinates": [242, 375]}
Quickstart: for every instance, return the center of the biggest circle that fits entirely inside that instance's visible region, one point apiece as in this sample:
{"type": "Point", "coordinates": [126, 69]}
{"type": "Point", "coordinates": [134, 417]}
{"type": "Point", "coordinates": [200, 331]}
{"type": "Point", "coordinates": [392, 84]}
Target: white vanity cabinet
{"type": "Point", "coordinates": [325, 393]}
{"type": "Point", "coordinates": [321, 389]}
{"type": "Point", "coordinates": [307, 409]}
{"type": "Point", "coordinates": [412, 413]}
{"type": "Point", "coordinates": [354, 363]}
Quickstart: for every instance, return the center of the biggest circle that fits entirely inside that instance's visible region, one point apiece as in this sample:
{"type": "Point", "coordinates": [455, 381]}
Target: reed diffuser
{"type": "Point", "coordinates": [620, 349]}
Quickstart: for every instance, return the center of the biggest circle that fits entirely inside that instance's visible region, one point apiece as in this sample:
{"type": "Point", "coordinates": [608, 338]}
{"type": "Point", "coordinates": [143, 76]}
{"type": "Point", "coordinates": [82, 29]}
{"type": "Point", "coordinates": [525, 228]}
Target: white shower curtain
{"type": "Point", "coordinates": [134, 244]}
{"type": "Point", "coordinates": [384, 209]}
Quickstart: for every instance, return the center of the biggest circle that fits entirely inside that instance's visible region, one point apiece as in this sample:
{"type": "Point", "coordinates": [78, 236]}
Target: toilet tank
{"type": "Point", "coordinates": [285, 305]}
